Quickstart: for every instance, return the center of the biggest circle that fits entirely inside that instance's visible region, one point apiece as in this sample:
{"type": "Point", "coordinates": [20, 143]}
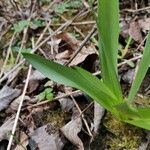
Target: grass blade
{"type": "Point", "coordinates": [143, 67]}
{"type": "Point", "coordinates": [108, 28]}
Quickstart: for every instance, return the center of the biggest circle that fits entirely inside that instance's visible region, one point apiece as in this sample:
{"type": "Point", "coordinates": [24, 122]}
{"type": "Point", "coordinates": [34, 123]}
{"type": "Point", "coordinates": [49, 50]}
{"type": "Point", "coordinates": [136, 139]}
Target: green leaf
{"type": "Point", "coordinates": [61, 8]}
{"type": "Point", "coordinates": [21, 25]}
{"type": "Point", "coordinates": [108, 28]}
{"type": "Point", "coordinates": [46, 94]}
{"type": "Point", "coordinates": [75, 77]}
{"type": "Point", "coordinates": [142, 123]}
{"type": "Point", "coordinates": [137, 116]}
{"type": "Point", "coordinates": [143, 67]}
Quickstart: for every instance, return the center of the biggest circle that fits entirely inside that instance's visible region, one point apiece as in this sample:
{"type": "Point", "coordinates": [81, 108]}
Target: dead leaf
{"type": "Point", "coordinates": [71, 130]}
{"type": "Point", "coordinates": [144, 24]}
{"type": "Point", "coordinates": [23, 142]}
{"type": "Point", "coordinates": [66, 103]}
{"type": "Point", "coordinates": [98, 114]}
{"type": "Point", "coordinates": [14, 105]}
{"type": "Point", "coordinates": [33, 85]}
{"type": "Point", "coordinates": [62, 55]}
{"type": "Point", "coordinates": [46, 138]}
{"type": "Point", "coordinates": [54, 44]}
{"type": "Point", "coordinates": [7, 94]}
{"type": "Point", "coordinates": [6, 128]}
{"type": "Point", "coordinates": [73, 44]}
{"type": "Point", "coordinates": [36, 75]}
{"type": "Point", "coordinates": [135, 31]}
{"type": "Point", "coordinates": [128, 76]}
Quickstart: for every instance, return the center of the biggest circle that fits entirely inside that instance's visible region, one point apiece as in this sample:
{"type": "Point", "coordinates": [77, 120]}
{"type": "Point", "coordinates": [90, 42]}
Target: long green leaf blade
{"type": "Point", "coordinates": [108, 28]}
{"type": "Point", "coordinates": [77, 78]}
{"type": "Point", "coordinates": [143, 67]}
{"type": "Point", "coordinates": [142, 123]}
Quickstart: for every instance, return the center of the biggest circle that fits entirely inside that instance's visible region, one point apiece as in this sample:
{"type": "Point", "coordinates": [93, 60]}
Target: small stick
{"type": "Point", "coordinates": [19, 109]}
{"type": "Point", "coordinates": [83, 118]}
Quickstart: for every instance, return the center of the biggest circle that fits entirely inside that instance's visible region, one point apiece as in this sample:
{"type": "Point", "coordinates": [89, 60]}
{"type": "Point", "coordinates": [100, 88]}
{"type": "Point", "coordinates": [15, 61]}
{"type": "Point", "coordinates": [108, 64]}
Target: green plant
{"type": "Point", "coordinates": [67, 6]}
{"type": "Point", "coordinates": [46, 94]}
{"type": "Point", "coordinates": [107, 92]}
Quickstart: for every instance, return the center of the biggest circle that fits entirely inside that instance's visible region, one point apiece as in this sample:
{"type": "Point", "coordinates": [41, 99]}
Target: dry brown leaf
{"type": "Point", "coordinates": [14, 105]}
{"type": "Point", "coordinates": [23, 142]}
{"type": "Point", "coordinates": [71, 130]}
{"type": "Point", "coordinates": [73, 44]}
{"type": "Point", "coordinates": [135, 31]}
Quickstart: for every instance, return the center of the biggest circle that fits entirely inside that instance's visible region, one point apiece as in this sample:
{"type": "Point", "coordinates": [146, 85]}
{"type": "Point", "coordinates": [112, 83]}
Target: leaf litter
{"type": "Point", "coordinates": [64, 44]}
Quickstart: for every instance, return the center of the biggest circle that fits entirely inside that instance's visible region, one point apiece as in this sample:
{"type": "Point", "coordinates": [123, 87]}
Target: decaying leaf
{"type": "Point", "coordinates": [98, 114]}
{"type": "Point", "coordinates": [66, 103]}
{"type": "Point", "coordinates": [128, 76]}
{"type": "Point", "coordinates": [14, 105]}
{"type": "Point", "coordinates": [74, 44]}
{"type": "Point", "coordinates": [71, 130]}
{"type": "Point", "coordinates": [7, 94]}
{"type": "Point", "coordinates": [46, 138]}
{"type": "Point", "coordinates": [36, 75]}
{"type": "Point", "coordinates": [6, 128]}
{"type": "Point", "coordinates": [144, 24]}
{"type": "Point", "coordinates": [135, 31]}
{"type": "Point", "coordinates": [23, 142]}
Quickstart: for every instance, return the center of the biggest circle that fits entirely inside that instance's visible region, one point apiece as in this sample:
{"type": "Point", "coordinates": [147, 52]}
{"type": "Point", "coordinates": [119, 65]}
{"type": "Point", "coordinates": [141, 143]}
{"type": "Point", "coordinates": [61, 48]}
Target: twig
{"type": "Point", "coordinates": [19, 109]}
{"type": "Point", "coordinates": [25, 31]}
{"type": "Point", "coordinates": [56, 98]}
{"type": "Point", "coordinates": [83, 118]}
{"type": "Point", "coordinates": [136, 10]}
{"type": "Point", "coordinates": [76, 23]}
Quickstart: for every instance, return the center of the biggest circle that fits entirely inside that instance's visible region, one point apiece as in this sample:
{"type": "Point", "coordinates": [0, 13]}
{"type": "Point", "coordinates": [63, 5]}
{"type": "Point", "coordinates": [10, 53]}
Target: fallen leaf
{"type": "Point", "coordinates": [23, 142]}
{"type": "Point", "coordinates": [135, 31]}
{"type": "Point", "coordinates": [73, 44]}
{"type": "Point", "coordinates": [7, 94]}
{"type": "Point", "coordinates": [128, 76]}
{"type": "Point", "coordinates": [6, 128]}
{"type": "Point", "coordinates": [66, 103]}
{"type": "Point", "coordinates": [46, 138]}
{"type": "Point", "coordinates": [144, 24]}
{"type": "Point", "coordinates": [71, 130]}
{"type": "Point", "coordinates": [98, 114]}
{"type": "Point", "coordinates": [36, 75]}
{"type": "Point", "coordinates": [14, 105]}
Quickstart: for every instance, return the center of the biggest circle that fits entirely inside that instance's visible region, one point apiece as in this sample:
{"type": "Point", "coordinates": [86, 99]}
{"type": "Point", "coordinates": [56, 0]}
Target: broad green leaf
{"type": "Point", "coordinates": [108, 28]}
{"type": "Point", "coordinates": [75, 77]}
{"type": "Point", "coordinates": [143, 67]}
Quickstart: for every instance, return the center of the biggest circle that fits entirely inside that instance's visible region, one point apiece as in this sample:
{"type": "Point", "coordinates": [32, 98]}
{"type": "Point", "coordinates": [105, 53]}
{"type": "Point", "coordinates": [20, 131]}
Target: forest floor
{"type": "Point", "coordinates": [37, 113]}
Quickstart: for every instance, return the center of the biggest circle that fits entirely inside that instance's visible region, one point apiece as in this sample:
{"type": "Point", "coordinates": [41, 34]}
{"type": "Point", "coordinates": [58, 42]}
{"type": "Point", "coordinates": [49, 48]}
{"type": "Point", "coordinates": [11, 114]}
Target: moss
{"type": "Point", "coordinates": [56, 117]}
{"type": "Point", "coordinates": [121, 135]}
{"type": "Point", "coordinates": [142, 101]}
